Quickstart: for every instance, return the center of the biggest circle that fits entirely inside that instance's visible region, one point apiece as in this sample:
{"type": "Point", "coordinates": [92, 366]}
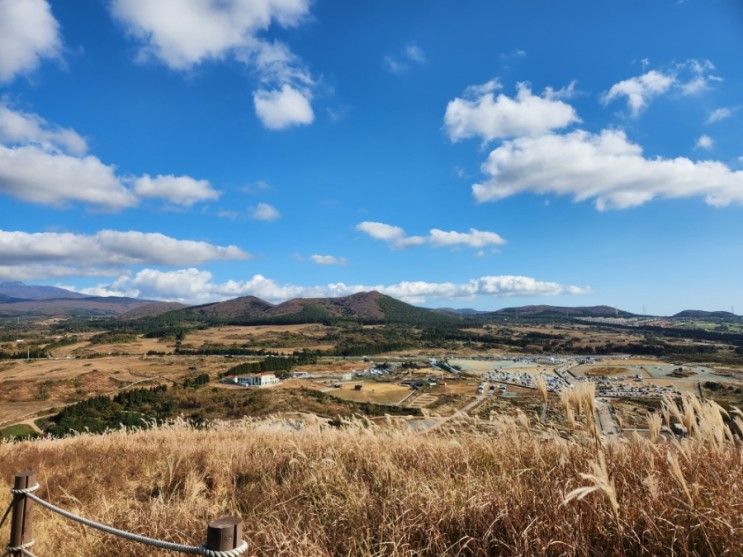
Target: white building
{"type": "Point", "coordinates": [255, 380]}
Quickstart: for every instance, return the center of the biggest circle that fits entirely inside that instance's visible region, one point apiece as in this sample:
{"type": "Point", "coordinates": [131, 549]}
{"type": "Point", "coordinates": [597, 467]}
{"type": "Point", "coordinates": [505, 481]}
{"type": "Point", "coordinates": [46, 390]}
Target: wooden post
{"type": "Point", "coordinates": [20, 525]}
{"type": "Point", "coordinates": [224, 533]}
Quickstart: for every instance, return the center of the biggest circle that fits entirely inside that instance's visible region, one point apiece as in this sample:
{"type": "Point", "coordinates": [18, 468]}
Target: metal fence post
{"type": "Point", "coordinates": [20, 525]}
{"type": "Point", "coordinates": [224, 533]}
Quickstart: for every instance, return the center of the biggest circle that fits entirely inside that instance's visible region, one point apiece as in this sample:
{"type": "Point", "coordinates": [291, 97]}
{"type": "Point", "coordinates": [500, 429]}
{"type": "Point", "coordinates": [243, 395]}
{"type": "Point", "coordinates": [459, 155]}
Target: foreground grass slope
{"type": "Point", "coordinates": [489, 489]}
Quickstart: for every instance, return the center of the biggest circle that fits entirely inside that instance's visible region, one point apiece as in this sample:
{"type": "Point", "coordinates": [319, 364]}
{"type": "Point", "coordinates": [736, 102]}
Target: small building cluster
{"type": "Point", "coordinates": [620, 386]}
{"type": "Point", "coordinates": [554, 383]}
{"type": "Point", "coordinates": [265, 379]}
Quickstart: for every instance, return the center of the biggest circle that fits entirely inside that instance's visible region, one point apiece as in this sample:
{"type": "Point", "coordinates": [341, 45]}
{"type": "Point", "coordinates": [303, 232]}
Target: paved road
{"type": "Point", "coordinates": [604, 417]}
{"type": "Point", "coordinates": [606, 421]}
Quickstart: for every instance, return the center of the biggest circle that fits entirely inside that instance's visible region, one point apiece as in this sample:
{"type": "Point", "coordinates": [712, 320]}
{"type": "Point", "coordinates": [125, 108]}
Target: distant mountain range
{"type": "Point", "coordinates": [544, 311]}
{"type": "Point", "coordinates": [22, 291]}
{"type": "Point", "coordinates": [368, 307]}
{"type": "Point", "coordinates": [19, 299]}
{"type": "Point", "coordinates": [701, 314]}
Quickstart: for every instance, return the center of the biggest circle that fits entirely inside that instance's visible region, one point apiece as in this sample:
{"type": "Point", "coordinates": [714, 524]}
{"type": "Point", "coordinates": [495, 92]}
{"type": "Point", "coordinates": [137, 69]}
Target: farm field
{"type": "Point", "coordinates": [372, 391]}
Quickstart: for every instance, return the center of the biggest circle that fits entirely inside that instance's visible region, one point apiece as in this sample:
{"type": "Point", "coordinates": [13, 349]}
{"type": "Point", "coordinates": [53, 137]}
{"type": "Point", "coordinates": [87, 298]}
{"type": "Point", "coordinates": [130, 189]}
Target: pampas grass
{"type": "Point", "coordinates": [472, 488]}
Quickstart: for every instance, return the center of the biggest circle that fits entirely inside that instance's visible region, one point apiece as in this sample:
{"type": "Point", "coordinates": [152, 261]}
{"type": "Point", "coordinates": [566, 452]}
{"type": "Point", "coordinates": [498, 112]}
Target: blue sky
{"type": "Point", "coordinates": [479, 154]}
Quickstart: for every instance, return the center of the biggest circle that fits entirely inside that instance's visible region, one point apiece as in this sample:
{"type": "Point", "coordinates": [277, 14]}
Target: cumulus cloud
{"type": "Point", "coordinates": [474, 238]}
{"type": "Point", "coordinates": [184, 33]}
{"type": "Point", "coordinates": [47, 164]}
{"type": "Point", "coordinates": [197, 286]}
{"type": "Point", "coordinates": [180, 190]}
{"type": "Point", "coordinates": [719, 114]}
{"type": "Point", "coordinates": [605, 167]}
{"type": "Point", "coordinates": [479, 113]}
{"type": "Point", "coordinates": [37, 175]}
{"type": "Point", "coordinates": [639, 90]}
{"type": "Point", "coordinates": [265, 212]}
{"type": "Point", "coordinates": [705, 142]}
{"type": "Point", "coordinates": [64, 253]}
{"type": "Point", "coordinates": [393, 235]}
{"type": "Point", "coordinates": [282, 108]}
{"type": "Point", "coordinates": [29, 34]}
{"type": "Point", "coordinates": [396, 236]}
{"type": "Point", "coordinates": [17, 127]}
{"type": "Point", "coordinates": [688, 78]}
{"type": "Point", "coordinates": [327, 259]}
{"type": "Point", "coordinates": [411, 55]}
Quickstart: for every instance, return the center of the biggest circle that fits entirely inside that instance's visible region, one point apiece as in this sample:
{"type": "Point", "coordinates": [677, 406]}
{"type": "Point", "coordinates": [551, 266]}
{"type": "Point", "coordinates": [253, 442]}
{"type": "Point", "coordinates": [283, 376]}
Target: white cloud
{"type": "Point", "coordinates": [415, 53]}
{"type": "Point", "coordinates": [605, 167]}
{"type": "Point", "coordinates": [569, 91]}
{"type": "Point", "coordinates": [688, 78]}
{"type": "Point", "coordinates": [18, 127]}
{"type": "Point", "coordinates": [396, 236]}
{"type": "Point", "coordinates": [473, 92]}
{"type": "Point", "coordinates": [411, 55]}
{"type": "Point", "coordinates": [281, 108]}
{"type": "Point", "coordinates": [33, 174]}
{"type": "Point", "coordinates": [393, 235]}
{"type": "Point", "coordinates": [474, 238]}
{"type": "Point", "coordinates": [480, 114]}
{"type": "Point", "coordinates": [265, 212]}
{"type": "Point", "coordinates": [327, 259]}
{"type": "Point", "coordinates": [184, 33]}
{"type": "Point", "coordinates": [700, 77]}
{"type": "Point", "coordinates": [65, 253]}
{"type": "Point", "coordinates": [719, 114]}
{"type": "Point", "coordinates": [705, 142]}
{"type": "Point", "coordinates": [196, 286]}
{"type": "Point", "coordinates": [47, 164]}
{"type": "Point", "coordinates": [515, 54]}
{"type": "Point", "coordinates": [29, 34]}
{"type": "Point", "coordinates": [180, 190]}
{"type": "Point", "coordinates": [640, 90]}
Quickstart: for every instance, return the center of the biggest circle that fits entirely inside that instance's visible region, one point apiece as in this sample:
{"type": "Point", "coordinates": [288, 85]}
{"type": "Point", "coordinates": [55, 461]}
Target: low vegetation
{"type": "Point", "coordinates": [197, 404]}
{"type": "Point", "coordinates": [305, 488]}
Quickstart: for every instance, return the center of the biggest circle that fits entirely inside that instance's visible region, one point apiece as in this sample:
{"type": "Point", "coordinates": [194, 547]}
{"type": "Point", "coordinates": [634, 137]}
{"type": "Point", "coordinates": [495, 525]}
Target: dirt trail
{"type": "Point", "coordinates": [606, 421]}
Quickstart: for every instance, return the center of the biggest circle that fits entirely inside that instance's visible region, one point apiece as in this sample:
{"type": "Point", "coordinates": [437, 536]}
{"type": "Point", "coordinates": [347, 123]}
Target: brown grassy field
{"type": "Point", "coordinates": [283, 338]}
{"type": "Point", "coordinates": [604, 370]}
{"type": "Point", "coordinates": [35, 385]}
{"type": "Point", "coordinates": [305, 489]}
{"type": "Point", "coordinates": [372, 391]}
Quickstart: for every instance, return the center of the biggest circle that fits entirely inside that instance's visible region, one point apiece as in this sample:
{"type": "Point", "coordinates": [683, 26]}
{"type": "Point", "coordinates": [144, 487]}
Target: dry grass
{"type": "Point", "coordinates": [27, 387]}
{"type": "Point", "coordinates": [474, 489]}
{"type": "Point", "coordinates": [372, 391]}
{"type": "Point", "coordinates": [581, 401]}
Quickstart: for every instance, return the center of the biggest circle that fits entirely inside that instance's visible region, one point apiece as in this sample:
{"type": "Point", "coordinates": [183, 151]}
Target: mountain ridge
{"type": "Point", "coordinates": [543, 311]}
{"type": "Point", "coordinates": [371, 306]}
{"type": "Point", "coordinates": [368, 307]}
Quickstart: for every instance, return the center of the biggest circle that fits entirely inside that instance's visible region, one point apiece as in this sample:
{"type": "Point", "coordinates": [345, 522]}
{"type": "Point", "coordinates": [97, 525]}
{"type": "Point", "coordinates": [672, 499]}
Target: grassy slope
{"type": "Point", "coordinates": [323, 491]}
{"type": "Point", "coordinates": [17, 431]}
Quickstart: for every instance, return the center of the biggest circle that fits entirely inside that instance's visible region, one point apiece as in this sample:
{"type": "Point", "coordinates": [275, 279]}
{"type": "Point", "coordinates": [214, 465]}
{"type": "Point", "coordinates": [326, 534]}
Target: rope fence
{"type": "Point", "coordinates": [223, 536]}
